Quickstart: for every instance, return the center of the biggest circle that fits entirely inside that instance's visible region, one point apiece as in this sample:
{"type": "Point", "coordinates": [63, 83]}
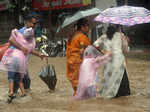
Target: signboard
{"type": "Point", "coordinates": [4, 4]}
{"type": "Point", "coordinates": [59, 4]}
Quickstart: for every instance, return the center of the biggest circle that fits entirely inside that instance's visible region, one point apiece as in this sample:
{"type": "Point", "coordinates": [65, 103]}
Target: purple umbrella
{"type": "Point", "coordinates": [124, 15]}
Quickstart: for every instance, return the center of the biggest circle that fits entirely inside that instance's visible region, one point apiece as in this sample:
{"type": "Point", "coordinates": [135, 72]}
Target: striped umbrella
{"type": "Point", "coordinates": [124, 15]}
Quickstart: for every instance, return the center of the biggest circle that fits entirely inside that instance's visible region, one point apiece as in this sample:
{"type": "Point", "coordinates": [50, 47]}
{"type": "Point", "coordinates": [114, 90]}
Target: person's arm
{"type": "Point", "coordinates": [17, 45]}
{"type": "Point", "coordinates": [82, 42]}
{"type": "Point", "coordinates": [99, 41]}
{"type": "Point", "coordinates": [125, 48]}
{"type": "Point", "coordinates": [103, 59]}
{"type": "Point", "coordinates": [99, 44]}
{"type": "Point", "coordinates": [82, 48]}
{"type": "Point", "coordinates": [106, 55]}
{"type": "Point", "coordinates": [36, 53]}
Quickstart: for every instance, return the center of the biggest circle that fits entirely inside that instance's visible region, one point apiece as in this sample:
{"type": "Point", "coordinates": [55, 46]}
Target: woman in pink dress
{"type": "Point", "coordinates": [92, 59]}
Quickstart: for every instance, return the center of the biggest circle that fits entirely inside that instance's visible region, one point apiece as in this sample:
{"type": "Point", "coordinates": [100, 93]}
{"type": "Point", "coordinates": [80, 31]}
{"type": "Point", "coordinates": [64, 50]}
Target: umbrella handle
{"type": "Point", "coordinates": [46, 58]}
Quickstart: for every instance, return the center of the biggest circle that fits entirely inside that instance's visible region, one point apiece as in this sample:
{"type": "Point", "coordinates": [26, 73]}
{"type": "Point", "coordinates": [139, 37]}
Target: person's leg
{"type": "Point", "coordinates": [91, 91]}
{"type": "Point", "coordinates": [26, 81]}
{"type": "Point", "coordinates": [11, 95]}
{"type": "Point", "coordinates": [11, 82]}
{"type": "Point", "coordinates": [16, 82]}
{"type": "Point", "coordinates": [73, 75]}
{"type": "Point", "coordinates": [75, 90]}
{"type": "Point", "coordinates": [74, 81]}
{"type": "Point", "coordinates": [11, 87]}
{"type": "Point", "coordinates": [21, 76]}
{"type": "Point", "coordinates": [74, 85]}
{"type": "Point", "coordinates": [22, 88]}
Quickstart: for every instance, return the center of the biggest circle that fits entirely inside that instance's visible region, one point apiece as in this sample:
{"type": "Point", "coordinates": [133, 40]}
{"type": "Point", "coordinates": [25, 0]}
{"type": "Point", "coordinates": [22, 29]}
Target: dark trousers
{"type": "Point", "coordinates": [124, 89]}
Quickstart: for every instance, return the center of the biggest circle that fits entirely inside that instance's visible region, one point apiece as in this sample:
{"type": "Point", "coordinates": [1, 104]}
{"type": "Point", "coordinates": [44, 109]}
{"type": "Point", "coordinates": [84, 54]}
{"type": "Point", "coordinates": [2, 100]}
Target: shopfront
{"type": "Point", "coordinates": [55, 12]}
{"type": "Point", "coordinates": [59, 4]}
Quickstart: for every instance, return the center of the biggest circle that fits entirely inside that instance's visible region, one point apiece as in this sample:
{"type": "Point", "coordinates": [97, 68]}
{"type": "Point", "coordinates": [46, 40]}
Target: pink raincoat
{"type": "Point", "coordinates": [15, 60]}
{"type": "Point", "coordinates": [92, 59]}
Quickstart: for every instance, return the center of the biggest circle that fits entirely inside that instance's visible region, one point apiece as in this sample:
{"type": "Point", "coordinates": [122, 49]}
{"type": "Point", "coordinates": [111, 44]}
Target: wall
{"type": "Point", "coordinates": [7, 23]}
{"type": "Point", "coordinates": [103, 4]}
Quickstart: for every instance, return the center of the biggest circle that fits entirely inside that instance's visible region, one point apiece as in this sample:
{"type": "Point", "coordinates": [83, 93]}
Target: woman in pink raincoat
{"type": "Point", "coordinates": [92, 59]}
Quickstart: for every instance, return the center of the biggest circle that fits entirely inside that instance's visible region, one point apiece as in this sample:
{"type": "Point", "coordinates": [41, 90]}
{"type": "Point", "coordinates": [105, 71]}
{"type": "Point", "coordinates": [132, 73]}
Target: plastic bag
{"type": "Point", "coordinates": [3, 48]}
{"type": "Point", "coordinates": [48, 75]}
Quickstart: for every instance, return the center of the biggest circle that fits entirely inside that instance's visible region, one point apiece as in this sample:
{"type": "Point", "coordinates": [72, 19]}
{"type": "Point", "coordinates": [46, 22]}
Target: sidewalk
{"type": "Point", "coordinates": [140, 49]}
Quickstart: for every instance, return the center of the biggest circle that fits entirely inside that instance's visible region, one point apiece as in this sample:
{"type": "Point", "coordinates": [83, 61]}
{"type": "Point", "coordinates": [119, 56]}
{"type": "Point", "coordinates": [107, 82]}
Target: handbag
{"type": "Point", "coordinates": [3, 49]}
{"type": "Point", "coordinates": [48, 76]}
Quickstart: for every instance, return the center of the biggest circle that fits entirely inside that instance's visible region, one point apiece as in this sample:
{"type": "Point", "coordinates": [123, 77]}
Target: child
{"type": "Point", "coordinates": [92, 59]}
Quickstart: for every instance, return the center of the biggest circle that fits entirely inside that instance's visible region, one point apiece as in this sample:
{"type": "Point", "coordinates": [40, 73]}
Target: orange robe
{"type": "Point", "coordinates": [74, 58]}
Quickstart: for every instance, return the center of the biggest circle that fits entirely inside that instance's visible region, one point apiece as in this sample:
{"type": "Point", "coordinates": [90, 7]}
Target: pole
{"type": "Point", "coordinates": [126, 2]}
{"type": "Point", "coordinates": [93, 3]}
{"type": "Point", "coordinates": [93, 30]}
{"type": "Point", "coordinates": [49, 18]}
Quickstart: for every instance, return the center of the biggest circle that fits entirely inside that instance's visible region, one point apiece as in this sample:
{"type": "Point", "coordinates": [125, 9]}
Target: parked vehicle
{"type": "Point", "coordinates": [59, 48]}
{"type": "Point", "coordinates": [51, 48]}
{"type": "Point", "coordinates": [42, 44]}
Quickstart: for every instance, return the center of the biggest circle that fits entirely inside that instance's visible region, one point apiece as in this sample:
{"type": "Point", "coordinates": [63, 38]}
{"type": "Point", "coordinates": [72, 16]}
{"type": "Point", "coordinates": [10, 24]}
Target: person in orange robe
{"type": "Point", "coordinates": [75, 47]}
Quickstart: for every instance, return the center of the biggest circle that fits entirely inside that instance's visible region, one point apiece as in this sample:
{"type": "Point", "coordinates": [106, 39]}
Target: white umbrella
{"type": "Point", "coordinates": [70, 21]}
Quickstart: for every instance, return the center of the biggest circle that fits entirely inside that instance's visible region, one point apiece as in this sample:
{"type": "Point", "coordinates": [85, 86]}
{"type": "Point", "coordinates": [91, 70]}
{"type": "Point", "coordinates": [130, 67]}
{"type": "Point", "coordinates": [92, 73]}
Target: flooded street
{"type": "Point", "coordinates": [42, 100]}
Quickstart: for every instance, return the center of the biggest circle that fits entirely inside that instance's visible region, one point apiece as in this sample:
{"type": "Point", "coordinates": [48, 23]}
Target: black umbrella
{"type": "Point", "coordinates": [48, 75]}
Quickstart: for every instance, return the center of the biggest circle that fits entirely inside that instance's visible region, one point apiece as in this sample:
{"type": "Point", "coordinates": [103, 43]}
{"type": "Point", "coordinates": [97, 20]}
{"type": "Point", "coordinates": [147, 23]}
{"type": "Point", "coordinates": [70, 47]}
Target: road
{"type": "Point", "coordinates": [41, 100]}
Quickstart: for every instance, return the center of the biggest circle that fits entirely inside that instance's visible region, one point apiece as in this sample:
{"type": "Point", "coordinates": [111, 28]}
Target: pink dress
{"type": "Point", "coordinates": [15, 60]}
{"type": "Point", "coordinates": [88, 71]}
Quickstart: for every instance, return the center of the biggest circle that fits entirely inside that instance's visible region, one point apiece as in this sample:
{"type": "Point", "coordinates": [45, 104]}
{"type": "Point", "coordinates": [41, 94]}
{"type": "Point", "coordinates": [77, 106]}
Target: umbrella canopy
{"type": "Point", "coordinates": [70, 21]}
{"type": "Point", "coordinates": [79, 15]}
{"type": "Point", "coordinates": [124, 15]}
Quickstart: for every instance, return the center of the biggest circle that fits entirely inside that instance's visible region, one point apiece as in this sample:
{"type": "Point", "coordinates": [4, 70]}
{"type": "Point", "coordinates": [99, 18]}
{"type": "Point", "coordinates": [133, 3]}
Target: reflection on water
{"type": "Point", "coordinates": [98, 104]}
{"type": "Point", "coordinates": [61, 101]}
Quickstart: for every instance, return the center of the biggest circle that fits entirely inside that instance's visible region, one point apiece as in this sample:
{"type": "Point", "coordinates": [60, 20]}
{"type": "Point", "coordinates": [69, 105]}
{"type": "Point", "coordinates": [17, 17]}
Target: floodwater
{"type": "Point", "coordinates": [40, 99]}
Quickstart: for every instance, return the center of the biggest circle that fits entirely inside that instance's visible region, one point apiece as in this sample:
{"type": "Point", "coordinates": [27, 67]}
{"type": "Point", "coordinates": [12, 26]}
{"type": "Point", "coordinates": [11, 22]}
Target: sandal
{"type": "Point", "coordinates": [12, 95]}
{"type": "Point", "coordinates": [23, 95]}
{"type": "Point", "coordinates": [10, 98]}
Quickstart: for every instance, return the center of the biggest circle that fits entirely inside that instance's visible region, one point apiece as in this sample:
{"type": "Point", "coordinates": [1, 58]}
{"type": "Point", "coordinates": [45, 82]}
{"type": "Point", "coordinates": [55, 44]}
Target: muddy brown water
{"type": "Point", "coordinates": [40, 99]}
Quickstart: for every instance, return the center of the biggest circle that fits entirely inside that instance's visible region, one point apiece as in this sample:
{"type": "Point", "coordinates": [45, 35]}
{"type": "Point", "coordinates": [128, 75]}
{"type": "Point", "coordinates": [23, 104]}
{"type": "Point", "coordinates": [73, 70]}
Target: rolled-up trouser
{"type": "Point", "coordinates": [14, 77]}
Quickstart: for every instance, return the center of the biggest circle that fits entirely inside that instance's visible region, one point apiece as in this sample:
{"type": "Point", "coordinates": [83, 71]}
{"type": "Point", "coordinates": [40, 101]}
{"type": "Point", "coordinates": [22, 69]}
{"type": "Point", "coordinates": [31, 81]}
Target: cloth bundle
{"type": "Point", "coordinates": [3, 49]}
